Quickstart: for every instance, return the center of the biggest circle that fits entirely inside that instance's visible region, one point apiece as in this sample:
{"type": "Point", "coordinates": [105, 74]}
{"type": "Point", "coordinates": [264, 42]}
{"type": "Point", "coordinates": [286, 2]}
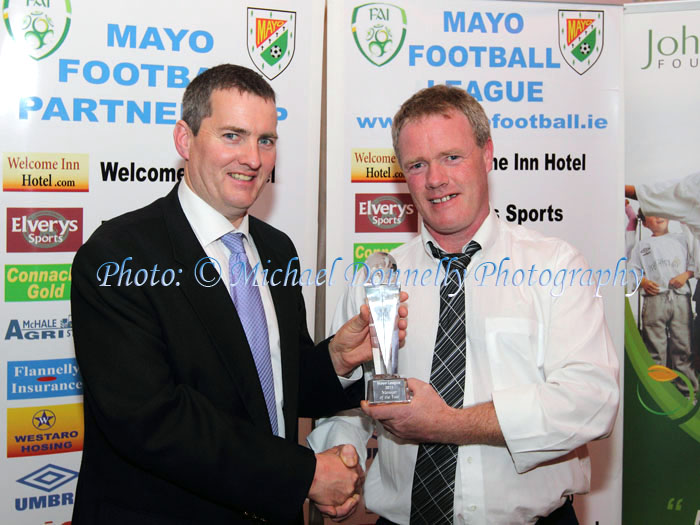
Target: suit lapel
{"type": "Point", "coordinates": [215, 310]}
{"type": "Point", "coordinates": [283, 299]}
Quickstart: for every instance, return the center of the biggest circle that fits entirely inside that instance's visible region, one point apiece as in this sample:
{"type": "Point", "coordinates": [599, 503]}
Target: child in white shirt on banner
{"type": "Point", "coordinates": [666, 315]}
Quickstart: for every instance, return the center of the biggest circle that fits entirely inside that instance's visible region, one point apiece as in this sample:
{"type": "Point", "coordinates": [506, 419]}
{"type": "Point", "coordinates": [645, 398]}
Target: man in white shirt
{"type": "Point", "coordinates": [194, 381]}
{"type": "Point", "coordinates": [538, 373]}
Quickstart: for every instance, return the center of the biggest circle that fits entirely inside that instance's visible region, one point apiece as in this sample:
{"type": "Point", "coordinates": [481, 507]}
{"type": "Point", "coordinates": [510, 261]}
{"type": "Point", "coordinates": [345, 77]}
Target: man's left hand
{"type": "Point", "coordinates": [421, 420]}
{"type": "Point", "coordinates": [350, 347]}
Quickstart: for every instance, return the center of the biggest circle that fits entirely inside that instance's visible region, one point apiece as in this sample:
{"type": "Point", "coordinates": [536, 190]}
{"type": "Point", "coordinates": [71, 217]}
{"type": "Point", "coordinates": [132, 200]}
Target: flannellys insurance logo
{"type": "Point", "coordinates": [39, 26]}
{"type": "Point", "coordinates": [581, 38]}
{"type": "Point", "coordinates": [379, 31]}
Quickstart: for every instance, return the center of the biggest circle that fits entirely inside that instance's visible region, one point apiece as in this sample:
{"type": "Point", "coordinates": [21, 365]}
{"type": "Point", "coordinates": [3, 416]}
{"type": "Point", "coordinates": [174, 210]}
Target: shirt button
{"type": "Point", "coordinates": [470, 459]}
{"type": "Point", "coordinates": [472, 508]}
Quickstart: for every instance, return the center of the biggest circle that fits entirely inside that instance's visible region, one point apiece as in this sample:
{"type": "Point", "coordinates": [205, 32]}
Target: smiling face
{"type": "Point", "coordinates": [232, 156]}
{"type": "Point", "coordinates": [447, 175]}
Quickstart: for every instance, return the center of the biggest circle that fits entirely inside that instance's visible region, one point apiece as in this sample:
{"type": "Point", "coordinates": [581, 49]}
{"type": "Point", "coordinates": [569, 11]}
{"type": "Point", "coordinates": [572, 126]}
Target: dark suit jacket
{"type": "Point", "coordinates": [176, 427]}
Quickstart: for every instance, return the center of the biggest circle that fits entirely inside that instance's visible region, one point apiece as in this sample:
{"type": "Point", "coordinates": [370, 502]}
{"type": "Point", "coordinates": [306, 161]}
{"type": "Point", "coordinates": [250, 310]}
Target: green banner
{"type": "Point", "coordinates": [661, 440]}
{"type": "Point", "coordinates": [37, 282]}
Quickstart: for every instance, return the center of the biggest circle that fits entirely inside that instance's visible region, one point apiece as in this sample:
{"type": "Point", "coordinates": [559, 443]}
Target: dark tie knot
{"type": "Point", "coordinates": [457, 261]}
{"type": "Point", "coordinates": [234, 242]}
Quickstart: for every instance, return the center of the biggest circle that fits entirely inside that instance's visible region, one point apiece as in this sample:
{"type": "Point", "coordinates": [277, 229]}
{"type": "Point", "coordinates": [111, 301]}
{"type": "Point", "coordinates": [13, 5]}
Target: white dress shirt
{"type": "Point", "coordinates": [546, 362]}
{"type": "Point", "coordinates": [209, 226]}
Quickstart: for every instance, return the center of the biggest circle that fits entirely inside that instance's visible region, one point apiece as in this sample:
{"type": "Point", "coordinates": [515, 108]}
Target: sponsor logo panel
{"type": "Point", "coordinates": [36, 431]}
{"type": "Point", "coordinates": [379, 31]}
{"type": "Point", "coordinates": [581, 35]}
{"type": "Point", "coordinates": [375, 165]}
{"type": "Point", "coordinates": [37, 282]}
{"type": "Point", "coordinates": [38, 26]}
{"type": "Point", "coordinates": [45, 172]}
{"type": "Point", "coordinates": [271, 39]}
{"type": "Point", "coordinates": [44, 230]}
{"type": "Point", "coordinates": [386, 213]}
{"type": "Point", "coordinates": [39, 329]}
{"type": "Point", "coordinates": [362, 250]}
{"type": "Point", "coordinates": [43, 378]}
{"type": "Point", "coordinates": [46, 479]}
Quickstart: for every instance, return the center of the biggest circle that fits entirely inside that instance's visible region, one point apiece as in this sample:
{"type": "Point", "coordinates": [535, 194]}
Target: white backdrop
{"type": "Point", "coordinates": [509, 56]}
{"type": "Point", "coordinates": [87, 86]}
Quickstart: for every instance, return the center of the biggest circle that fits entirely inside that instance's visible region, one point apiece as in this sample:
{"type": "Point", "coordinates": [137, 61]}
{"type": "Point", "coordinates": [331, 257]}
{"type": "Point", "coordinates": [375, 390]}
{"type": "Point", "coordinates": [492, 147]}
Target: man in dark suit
{"type": "Point", "coordinates": [182, 423]}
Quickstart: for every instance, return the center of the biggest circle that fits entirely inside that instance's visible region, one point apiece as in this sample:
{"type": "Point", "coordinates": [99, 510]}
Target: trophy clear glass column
{"type": "Point", "coordinates": [383, 298]}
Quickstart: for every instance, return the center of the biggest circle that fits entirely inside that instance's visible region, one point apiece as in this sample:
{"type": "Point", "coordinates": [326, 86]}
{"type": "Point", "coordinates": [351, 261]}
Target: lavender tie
{"type": "Point", "coordinates": [248, 303]}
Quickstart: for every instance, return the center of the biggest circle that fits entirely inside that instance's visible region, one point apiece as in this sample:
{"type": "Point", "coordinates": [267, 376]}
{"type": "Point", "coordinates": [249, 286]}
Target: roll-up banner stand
{"type": "Point", "coordinates": [555, 106]}
{"type": "Point", "coordinates": [89, 96]}
{"type": "Point", "coordinates": [662, 110]}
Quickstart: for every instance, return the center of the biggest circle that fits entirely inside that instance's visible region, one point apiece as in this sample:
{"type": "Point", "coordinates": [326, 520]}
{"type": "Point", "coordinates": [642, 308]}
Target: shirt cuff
{"type": "Point", "coordinates": [354, 378]}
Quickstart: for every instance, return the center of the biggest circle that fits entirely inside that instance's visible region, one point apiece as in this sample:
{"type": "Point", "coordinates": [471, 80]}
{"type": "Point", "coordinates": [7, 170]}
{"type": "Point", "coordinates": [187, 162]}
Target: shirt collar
{"type": "Point", "coordinates": [485, 235]}
{"type": "Point", "coordinates": [208, 224]}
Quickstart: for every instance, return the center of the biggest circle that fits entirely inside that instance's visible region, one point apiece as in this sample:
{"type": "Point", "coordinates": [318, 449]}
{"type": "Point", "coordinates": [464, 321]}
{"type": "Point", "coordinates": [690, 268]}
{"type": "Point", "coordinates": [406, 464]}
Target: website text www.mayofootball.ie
{"type": "Point", "coordinates": [501, 121]}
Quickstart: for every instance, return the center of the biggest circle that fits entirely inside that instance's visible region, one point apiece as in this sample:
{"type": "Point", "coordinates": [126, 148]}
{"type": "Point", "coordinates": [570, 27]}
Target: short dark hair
{"type": "Point", "coordinates": [440, 100]}
{"type": "Point", "coordinates": [196, 102]}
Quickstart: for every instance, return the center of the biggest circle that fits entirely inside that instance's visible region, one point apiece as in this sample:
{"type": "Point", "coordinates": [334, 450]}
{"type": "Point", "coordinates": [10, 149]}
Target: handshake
{"type": "Point", "coordinates": [337, 482]}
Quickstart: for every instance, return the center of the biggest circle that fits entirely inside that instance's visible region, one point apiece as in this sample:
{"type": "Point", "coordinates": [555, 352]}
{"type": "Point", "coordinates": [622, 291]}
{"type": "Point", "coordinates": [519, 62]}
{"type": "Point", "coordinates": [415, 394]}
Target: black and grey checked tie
{"type": "Point", "coordinates": [432, 499]}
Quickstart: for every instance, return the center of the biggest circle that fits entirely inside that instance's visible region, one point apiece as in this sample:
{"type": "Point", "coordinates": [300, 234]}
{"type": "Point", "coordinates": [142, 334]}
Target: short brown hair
{"type": "Point", "coordinates": [196, 102]}
{"type": "Point", "coordinates": [439, 100]}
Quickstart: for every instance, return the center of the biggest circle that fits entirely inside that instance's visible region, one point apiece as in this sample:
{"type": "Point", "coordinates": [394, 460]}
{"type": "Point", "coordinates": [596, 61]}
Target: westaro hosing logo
{"type": "Point", "coordinates": [581, 38]}
{"type": "Point", "coordinates": [379, 31]}
{"type": "Point", "coordinates": [40, 26]}
{"type": "Point", "coordinates": [271, 39]}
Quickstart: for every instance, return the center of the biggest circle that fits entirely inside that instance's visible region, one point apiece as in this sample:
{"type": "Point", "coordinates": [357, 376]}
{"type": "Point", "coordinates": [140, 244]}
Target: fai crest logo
{"type": "Point", "coordinates": [580, 38]}
{"type": "Point", "coordinates": [40, 26]}
{"type": "Point", "coordinates": [271, 38]}
{"type": "Point", "coordinates": [379, 31]}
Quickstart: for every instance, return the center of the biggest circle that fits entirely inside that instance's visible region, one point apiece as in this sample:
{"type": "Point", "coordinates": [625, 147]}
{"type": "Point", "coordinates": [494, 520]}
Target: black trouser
{"type": "Point", "coordinates": [564, 515]}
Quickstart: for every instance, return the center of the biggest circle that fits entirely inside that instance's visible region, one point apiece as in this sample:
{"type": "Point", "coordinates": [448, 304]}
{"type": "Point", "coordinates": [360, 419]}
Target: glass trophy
{"type": "Point", "coordinates": [383, 298]}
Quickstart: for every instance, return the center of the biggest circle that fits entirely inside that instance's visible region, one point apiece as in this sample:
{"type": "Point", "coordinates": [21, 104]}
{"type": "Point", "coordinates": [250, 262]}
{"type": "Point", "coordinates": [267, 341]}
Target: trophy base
{"type": "Point", "coordinates": [386, 389]}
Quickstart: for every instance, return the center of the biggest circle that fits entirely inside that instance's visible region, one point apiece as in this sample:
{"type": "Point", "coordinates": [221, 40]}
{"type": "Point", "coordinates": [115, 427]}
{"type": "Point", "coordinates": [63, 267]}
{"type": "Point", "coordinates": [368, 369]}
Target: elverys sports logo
{"type": "Point", "coordinates": [271, 39]}
{"type": "Point", "coordinates": [581, 36]}
{"type": "Point", "coordinates": [379, 31]}
{"type": "Point", "coordinates": [40, 26]}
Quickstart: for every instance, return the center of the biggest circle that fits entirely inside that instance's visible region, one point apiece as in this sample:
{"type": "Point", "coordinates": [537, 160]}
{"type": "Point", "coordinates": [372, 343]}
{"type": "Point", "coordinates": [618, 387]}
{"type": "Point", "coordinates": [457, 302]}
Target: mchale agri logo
{"type": "Point", "coordinates": [47, 479]}
{"type": "Point", "coordinates": [44, 230]}
{"type": "Point", "coordinates": [271, 39]}
{"type": "Point", "coordinates": [39, 329]}
{"type": "Point", "coordinates": [39, 26]}
{"type": "Point", "coordinates": [393, 212]}
{"type": "Point", "coordinates": [581, 36]}
{"type": "Point", "coordinates": [379, 31]}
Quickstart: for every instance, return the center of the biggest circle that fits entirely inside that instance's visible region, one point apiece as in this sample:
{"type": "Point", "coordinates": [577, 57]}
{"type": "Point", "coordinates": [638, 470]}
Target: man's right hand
{"type": "Point", "coordinates": [337, 481]}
